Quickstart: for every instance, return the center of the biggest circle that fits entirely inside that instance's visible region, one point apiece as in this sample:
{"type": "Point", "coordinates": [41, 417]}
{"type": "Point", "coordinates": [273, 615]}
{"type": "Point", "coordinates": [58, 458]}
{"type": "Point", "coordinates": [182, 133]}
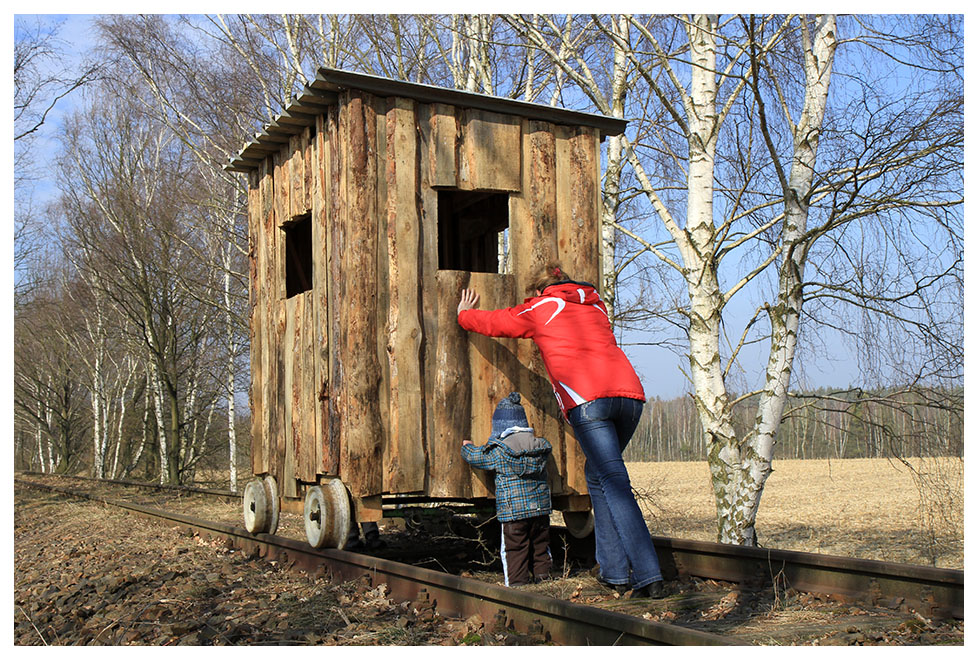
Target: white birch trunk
{"type": "Point", "coordinates": [786, 313]}
{"type": "Point", "coordinates": [160, 425]}
{"type": "Point", "coordinates": [134, 461]}
{"type": "Point", "coordinates": [706, 299]}
{"type": "Point", "coordinates": [123, 393]}
{"type": "Point", "coordinates": [232, 350]}
{"type": "Point", "coordinates": [52, 453]}
{"type": "Point", "coordinates": [98, 399]}
{"type": "Point", "coordinates": [612, 180]}
{"type": "Point", "coordinates": [42, 461]}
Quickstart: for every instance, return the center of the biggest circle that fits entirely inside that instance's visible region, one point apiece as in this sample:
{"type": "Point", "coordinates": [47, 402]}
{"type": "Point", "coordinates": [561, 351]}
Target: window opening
{"type": "Point", "coordinates": [473, 229]}
{"type": "Point", "coordinates": [298, 255]}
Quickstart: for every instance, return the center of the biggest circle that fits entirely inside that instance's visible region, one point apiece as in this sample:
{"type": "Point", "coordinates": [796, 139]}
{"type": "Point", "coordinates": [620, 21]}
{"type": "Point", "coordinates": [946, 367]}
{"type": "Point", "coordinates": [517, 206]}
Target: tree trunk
{"type": "Point", "coordinates": [737, 506]}
{"type": "Point", "coordinates": [611, 193]}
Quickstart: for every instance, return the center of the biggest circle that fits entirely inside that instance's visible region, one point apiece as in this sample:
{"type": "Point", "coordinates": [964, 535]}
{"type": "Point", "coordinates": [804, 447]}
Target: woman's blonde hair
{"type": "Point", "coordinates": [552, 273]}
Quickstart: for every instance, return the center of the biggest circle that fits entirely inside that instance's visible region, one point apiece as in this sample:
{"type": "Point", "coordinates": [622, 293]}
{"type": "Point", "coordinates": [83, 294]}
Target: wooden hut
{"type": "Point", "coordinates": [372, 203]}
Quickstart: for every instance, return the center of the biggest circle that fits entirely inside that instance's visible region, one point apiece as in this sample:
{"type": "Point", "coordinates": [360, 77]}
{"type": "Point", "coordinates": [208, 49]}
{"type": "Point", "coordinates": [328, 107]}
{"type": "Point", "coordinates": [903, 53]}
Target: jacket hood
{"type": "Point", "coordinates": [526, 453]}
{"type": "Point", "coordinates": [580, 293]}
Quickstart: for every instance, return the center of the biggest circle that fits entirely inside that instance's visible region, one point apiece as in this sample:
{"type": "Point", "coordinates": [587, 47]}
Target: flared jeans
{"type": "Point", "coordinates": [622, 543]}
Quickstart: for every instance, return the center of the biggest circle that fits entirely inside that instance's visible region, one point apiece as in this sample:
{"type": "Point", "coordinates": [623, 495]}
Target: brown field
{"type": "Point", "coordinates": [868, 508]}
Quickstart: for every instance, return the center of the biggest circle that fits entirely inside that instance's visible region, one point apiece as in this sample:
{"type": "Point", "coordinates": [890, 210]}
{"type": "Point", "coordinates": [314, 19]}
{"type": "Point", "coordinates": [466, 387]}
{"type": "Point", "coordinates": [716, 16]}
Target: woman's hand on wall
{"type": "Point", "coordinates": [470, 300]}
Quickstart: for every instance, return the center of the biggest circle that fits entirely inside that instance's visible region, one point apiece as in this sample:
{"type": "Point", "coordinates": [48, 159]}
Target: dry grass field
{"type": "Point", "coordinates": [868, 508]}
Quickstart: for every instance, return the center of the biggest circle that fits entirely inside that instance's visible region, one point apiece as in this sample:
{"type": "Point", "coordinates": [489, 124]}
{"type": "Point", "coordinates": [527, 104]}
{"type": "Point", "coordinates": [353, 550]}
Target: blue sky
{"type": "Point", "coordinates": [658, 367]}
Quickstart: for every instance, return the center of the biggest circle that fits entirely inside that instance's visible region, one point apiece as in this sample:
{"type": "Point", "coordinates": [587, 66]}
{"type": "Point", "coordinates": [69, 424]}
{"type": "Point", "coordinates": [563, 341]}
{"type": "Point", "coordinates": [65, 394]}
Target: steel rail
{"type": "Point", "coordinates": [559, 621]}
{"type": "Point", "coordinates": [933, 592]}
{"type": "Point", "coordinates": [217, 492]}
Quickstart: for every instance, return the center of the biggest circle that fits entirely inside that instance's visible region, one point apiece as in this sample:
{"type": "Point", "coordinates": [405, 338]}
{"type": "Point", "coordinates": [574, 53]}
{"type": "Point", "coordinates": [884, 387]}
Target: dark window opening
{"type": "Point", "coordinates": [298, 255]}
{"type": "Point", "coordinates": [471, 225]}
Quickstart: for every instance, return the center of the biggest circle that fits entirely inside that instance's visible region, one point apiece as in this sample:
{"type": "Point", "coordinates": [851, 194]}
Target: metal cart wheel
{"type": "Point", "coordinates": [272, 507]}
{"type": "Point", "coordinates": [255, 504]}
{"type": "Point", "coordinates": [579, 523]}
{"type": "Point", "coordinates": [327, 515]}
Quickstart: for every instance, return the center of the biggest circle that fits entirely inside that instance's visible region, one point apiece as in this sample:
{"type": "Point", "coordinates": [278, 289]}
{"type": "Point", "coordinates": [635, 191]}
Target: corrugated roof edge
{"type": "Point", "coordinates": [323, 90]}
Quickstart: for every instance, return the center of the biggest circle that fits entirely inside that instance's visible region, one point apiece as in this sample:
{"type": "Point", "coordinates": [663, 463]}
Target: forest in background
{"type": "Point", "coordinates": [825, 424]}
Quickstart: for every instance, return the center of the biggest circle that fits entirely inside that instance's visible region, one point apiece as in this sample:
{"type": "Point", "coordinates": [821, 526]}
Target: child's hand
{"type": "Point", "coordinates": [470, 299]}
{"type": "Point", "coordinates": [466, 442]}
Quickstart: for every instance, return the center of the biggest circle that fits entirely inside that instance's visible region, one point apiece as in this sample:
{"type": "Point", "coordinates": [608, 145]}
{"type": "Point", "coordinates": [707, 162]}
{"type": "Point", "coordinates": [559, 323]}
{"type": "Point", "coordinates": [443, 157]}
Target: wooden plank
{"type": "Point", "coordinates": [361, 434]}
{"type": "Point", "coordinates": [382, 296]}
{"type": "Point", "coordinates": [320, 233]}
{"type": "Point", "coordinates": [404, 455]}
{"type": "Point", "coordinates": [490, 152]}
{"type": "Point", "coordinates": [290, 417]}
{"type": "Point", "coordinates": [441, 143]}
{"type": "Point", "coordinates": [431, 305]}
{"type": "Point", "coordinates": [578, 244]}
{"type": "Point", "coordinates": [335, 237]}
{"type": "Point", "coordinates": [308, 168]}
{"type": "Point", "coordinates": [295, 173]}
{"type": "Point", "coordinates": [266, 262]}
{"type": "Point", "coordinates": [494, 367]}
{"type": "Point", "coordinates": [306, 468]}
{"type": "Point", "coordinates": [533, 240]}
{"type": "Point", "coordinates": [255, 319]}
{"type": "Point", "coordinates": [275, 287]}
{"type": "Point", "coordinates": [448, 474]}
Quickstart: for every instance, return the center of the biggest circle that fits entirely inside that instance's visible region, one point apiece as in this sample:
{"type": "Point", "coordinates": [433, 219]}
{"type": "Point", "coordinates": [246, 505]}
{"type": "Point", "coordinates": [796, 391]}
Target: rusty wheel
{"type": "Point", "coordinates": [327, 515]}
{"type": "Point", "coordinates": [255, 503]}
{"type": "Point", "coordinates": [579, 523]}
{"type": "Point", "coordinates": [272, 504]}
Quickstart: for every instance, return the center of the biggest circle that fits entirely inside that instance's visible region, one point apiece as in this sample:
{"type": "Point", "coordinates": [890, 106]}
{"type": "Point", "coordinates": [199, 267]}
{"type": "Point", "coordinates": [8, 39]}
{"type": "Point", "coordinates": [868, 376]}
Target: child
{"type": "Point", "coordinates": [519, 459]}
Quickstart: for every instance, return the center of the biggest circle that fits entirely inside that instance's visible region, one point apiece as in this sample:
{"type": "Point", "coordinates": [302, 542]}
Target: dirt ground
{"type": "Point", "coordinates": [867, 508]}
{"type": "Point", "coordinates": [87, 574]}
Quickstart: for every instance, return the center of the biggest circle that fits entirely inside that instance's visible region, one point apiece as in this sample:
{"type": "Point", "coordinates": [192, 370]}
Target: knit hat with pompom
{"type": "Point", "coordinates": [509, 413]}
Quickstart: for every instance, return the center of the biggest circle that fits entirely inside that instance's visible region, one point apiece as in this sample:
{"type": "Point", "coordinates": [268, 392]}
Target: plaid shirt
{"type": "Point", "coordinates": [519, 460]}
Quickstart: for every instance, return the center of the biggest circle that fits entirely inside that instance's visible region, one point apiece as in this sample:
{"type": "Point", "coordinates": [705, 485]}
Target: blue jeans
{"type": "Point", "coordinates": [622, 543]}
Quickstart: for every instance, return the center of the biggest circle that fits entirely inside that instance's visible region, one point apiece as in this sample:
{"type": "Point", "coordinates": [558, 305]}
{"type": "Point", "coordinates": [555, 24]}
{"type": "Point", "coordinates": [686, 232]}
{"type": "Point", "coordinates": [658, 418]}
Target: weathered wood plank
{"type": "Point", "coordinates": [430, 304]}
{"type": "Point", "coordinates": [448, 474]}
{"type": "Point", "coordinates": [269, 348]}
{"type": "Point", "coordinates": [290, 418]}
{"type": "Point", "coordinates": [382, 298]}
{"type": "Point", "coordinates": [490, 152]}
{"type": "Point", "coordinates": [362, 434]}
{"type": "Point", "coordinates": [578, 243]}
{"type": "Point", "coordinates": [308, 403]}
{"type": "Point", "coordinates": [405, 455]}
{"type": "Point", "coordinates": [442, 132]}
{"type": "Point", "coordinates": [276, 295]}
{"type": "Point", "coordinates": [308, 147]}
{"type": "Point", "coordinates": [336, 237]}
{"type": "Point", "coordinates": [320, 351]}
{"type": "Point", "coordinates": [494, 367]}
{"type": "Point", "coordinates": [533, 231]}
{"type": "Point", "coordinates": [255, 320]}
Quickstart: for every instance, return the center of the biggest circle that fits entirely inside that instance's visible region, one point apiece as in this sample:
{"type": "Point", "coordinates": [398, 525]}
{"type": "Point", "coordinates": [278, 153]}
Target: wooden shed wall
{"type": "Point", "coordinates": [368, 375]}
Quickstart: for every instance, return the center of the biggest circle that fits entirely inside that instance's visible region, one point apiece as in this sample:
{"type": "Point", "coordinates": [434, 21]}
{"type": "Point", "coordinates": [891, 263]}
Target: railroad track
{"type": "Point", "coordinates": [562, 622]}
{"type": "Point", "coordinates": [932, 592]}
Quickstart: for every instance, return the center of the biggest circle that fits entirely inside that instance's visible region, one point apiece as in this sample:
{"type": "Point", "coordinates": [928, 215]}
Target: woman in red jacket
{"type": "Point", "coordinates": [602, 398]}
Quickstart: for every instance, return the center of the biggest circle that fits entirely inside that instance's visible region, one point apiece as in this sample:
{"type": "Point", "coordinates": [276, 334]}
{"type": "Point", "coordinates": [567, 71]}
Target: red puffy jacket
{"type": "Point", "coordinates": [569, 324]}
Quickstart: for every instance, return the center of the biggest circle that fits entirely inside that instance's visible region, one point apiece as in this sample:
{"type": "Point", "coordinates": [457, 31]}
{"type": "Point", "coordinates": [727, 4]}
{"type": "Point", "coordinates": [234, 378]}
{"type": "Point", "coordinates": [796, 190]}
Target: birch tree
{"type": "Point", "coordinates": [744, 101]}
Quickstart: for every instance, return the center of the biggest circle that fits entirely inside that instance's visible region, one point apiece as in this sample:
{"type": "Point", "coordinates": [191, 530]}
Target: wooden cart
{"type": "Point", "coordinates": [372, 203]}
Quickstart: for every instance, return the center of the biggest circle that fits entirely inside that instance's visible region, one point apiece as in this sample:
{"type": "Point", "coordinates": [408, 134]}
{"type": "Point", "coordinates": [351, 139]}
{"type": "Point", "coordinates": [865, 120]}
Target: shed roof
{"type": "Point", "coordinates": [324, 91]}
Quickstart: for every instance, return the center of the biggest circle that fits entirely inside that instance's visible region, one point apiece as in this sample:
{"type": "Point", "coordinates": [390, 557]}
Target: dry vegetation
{"type": "Point", "coordinates": [869, 508]}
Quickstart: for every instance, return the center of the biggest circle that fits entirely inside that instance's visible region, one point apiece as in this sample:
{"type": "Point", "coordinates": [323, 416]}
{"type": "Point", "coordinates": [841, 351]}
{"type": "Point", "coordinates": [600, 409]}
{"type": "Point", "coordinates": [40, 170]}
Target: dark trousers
{"type": "Point", "coordinates": [526, 550]}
